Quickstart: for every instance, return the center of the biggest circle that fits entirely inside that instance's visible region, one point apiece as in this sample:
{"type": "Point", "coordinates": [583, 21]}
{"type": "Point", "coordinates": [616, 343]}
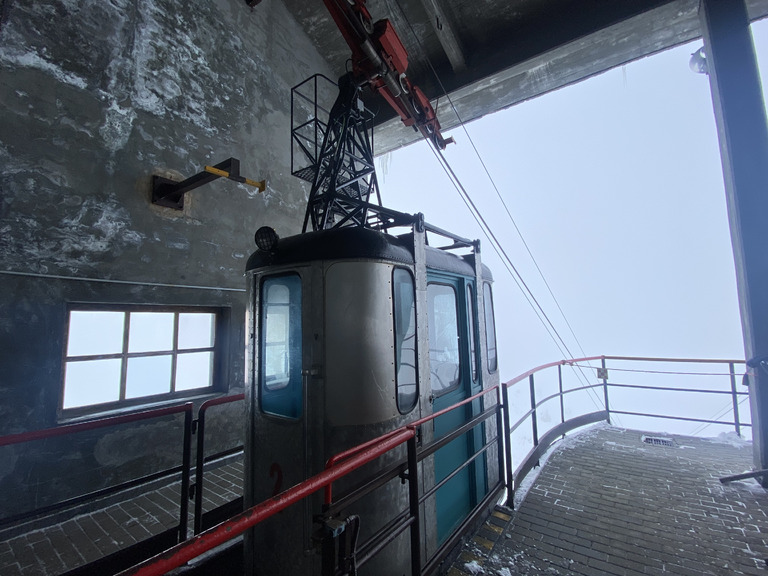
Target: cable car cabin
{"type": "Point", "coordinates": [354, 333]}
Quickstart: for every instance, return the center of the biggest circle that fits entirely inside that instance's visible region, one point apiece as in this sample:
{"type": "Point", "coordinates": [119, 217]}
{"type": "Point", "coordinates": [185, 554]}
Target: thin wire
{"type": "Point", "coordinates": [717, 416]}
{"type": "Point", "coordinates": [507, 261]}
{"type": "Point", "coordinates": [503, 261]}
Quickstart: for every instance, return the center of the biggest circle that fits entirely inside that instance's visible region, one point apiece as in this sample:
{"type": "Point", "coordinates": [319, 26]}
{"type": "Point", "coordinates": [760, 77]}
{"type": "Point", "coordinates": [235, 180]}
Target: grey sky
{"type": "Point", "coordinates": [616, 185]}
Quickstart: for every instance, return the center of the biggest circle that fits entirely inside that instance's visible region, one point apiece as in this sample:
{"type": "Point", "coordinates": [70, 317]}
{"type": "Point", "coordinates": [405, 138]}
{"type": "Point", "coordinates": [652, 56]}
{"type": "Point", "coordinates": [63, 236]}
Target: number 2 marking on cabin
{"type": "Point", "coordinates": [275, 470]}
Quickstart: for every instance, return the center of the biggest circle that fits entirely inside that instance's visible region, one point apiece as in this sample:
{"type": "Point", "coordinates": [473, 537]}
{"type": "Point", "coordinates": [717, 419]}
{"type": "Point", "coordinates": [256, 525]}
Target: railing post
{"type": "Point", "coordinates": [508, 478]}
{"type": "Point", "coordinates": [186, 460]}
{"type": "Point", "coordinates": [534, 421]}
{"type": "Point", "coordinates": [200, 463]}
{"type": "Point", "coordinates": [735, 398]}
{"type": "Point", "coordinates": [413, 501]}
{"type": "Point", "coordinates": [560, 387]}
{"type": "Point", "coordinates": [605, 391]}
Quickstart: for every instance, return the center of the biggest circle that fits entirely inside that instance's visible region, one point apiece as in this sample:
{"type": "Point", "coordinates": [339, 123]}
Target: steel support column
{"type": "Point", "coordinates": [741, 124]}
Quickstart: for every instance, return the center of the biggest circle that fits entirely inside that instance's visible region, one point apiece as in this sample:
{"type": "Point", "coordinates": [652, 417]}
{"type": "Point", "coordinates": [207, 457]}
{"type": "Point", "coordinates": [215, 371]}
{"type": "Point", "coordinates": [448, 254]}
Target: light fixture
{"type": "Point", "coordinates": [266, 239]}
{"type": "Point", "coordinates": [698, 62]}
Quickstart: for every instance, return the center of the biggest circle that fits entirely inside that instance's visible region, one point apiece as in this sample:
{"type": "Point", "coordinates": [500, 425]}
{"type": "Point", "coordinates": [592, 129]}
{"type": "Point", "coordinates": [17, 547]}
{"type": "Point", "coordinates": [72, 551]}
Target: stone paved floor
{"type": "Point", "coordinates": [605, 503]}
{"type": "Point", "coordinates": [79, 540]}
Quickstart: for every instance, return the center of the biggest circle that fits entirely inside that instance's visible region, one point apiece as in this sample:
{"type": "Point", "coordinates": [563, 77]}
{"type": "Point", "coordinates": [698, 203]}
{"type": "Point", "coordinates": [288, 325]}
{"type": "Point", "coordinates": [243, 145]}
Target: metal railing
{"type": "Point", "coordinates": [342, 465]}
{"type": "Point", "coordinates": [199, 430]}
{"type": "Point", "coordinates": [607, 396]}
{"type": "Point", "coordinates": [353, 459]}
{"type": "Point", "coordinates": [541, 442]}
{"type": "Point", "coordinates": [409, 471]}
{"type": "Point", "coordinates": [191, 427]}
{"type": "Point", "coordinates": [111, 422]}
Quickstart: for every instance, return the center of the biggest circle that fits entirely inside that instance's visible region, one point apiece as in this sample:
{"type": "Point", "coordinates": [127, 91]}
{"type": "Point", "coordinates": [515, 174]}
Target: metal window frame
{"type": "Point", "coordinates": [219, 327]}
{"type": "Point", "coordinates": [263, 390]}
{"type": "Point", "coordinates": [489, 309]}
{"type": "Point", "coordinates": [446, 281]}
{"type": "Point", "coordinates": [395, 303]}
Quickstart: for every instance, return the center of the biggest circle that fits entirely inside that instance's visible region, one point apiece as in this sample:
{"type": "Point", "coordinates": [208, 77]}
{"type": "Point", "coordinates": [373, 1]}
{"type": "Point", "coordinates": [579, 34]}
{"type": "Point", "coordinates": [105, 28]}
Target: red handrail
{"type": "Point", "coordinates": [220, 400]}
{"type": "Point", "coordinates": [93, 424]}
{"type": "Point", "coordinates": [572, 361]}
{"type": "Point", "coordinates": [446, 410]}
{"type": "Point", "coordinates": [205, 541]}
{"type": "Point", "coordinates": [336, 458]}
{"type": "Point", "coordinates": [525, 375]}
{"type": "Point", "coordinates": [689, 360]}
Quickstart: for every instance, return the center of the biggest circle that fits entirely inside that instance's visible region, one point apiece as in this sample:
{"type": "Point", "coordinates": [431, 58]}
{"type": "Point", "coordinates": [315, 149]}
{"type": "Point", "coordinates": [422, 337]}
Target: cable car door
{"type": "Point", "coordinates": [450, 382]}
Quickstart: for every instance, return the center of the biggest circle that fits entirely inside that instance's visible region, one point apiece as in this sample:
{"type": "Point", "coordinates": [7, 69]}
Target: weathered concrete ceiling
{"type": "Point", "coordinates": [493, 54]}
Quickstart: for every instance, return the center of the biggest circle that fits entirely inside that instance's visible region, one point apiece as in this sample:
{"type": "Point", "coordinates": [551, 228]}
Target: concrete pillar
{"type": "Point", "coordinates": [743, 134]}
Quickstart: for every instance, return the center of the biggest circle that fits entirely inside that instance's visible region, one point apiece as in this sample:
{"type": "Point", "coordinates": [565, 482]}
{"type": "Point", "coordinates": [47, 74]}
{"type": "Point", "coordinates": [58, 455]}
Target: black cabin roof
{"type": "Point", "coordinates": [356, 243]}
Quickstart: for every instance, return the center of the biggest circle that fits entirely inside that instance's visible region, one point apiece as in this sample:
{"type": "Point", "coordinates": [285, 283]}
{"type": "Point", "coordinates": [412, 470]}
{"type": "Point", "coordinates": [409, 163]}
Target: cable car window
{"type": "Point", "coordinates": [444, 354]}
{"type": "Point", "coordinates": [490, 328]}
{"type": "Point", "coordinates": [280, 382]}
{"type": "Point", "coordinates": [471, 322]}
{"type": "Point", "coordinates": [406, 375]}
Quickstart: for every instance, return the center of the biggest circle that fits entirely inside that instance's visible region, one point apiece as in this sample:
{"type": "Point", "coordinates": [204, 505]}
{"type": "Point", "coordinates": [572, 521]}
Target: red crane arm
{"type": "Point", "coordinates": [380, 60]}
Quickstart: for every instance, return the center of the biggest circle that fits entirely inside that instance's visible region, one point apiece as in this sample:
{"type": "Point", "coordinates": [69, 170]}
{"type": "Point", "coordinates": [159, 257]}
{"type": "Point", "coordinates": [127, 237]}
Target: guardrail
{"type": "Point", "coordinates": [111, 422]}
{"type": "Point", "coordinates": [191, 427]}
{"type": "Point", "coordinates": [350, 460]}
{"type": "Point", "coordinates": [540, 443]}
{"type": "Point", "coordinates": [608, 397]}
{"type": "Point", "coordinates": [199, 430]}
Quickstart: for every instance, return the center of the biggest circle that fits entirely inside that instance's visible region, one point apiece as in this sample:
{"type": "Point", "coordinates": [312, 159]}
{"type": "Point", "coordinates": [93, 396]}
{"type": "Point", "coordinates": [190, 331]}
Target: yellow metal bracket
{"type": "Point", "coordinates": [261, 184]}
{"type": "Point", "coordinates": [169, 193]}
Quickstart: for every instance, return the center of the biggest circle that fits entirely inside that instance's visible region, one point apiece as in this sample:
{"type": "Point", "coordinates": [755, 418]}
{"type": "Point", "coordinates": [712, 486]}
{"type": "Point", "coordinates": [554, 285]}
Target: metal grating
{"type": "Point", "coordinates": [658, 441]}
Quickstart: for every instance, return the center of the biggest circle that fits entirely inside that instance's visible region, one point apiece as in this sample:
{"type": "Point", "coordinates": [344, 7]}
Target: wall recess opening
{"type": "Point", "coordinates": [657, 440]}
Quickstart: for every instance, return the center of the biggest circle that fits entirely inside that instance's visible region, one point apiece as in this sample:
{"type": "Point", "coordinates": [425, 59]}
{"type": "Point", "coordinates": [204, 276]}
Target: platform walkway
{"type": "Point", "coordinates": [606, 503]}
{"type": "Point", "coordinates": [61, 545]}
{"type": "Point", "coordinates": [603, 503]}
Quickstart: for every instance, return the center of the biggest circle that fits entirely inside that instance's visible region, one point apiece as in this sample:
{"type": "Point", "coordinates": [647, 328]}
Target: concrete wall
{"type": "Point", "coordinates": [96, 96]}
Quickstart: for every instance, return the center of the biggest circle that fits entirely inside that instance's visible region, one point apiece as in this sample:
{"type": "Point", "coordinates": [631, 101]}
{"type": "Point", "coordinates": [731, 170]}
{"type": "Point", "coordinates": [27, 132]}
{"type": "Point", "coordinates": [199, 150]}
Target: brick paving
{"type": "Point", "coordinates": [605, 503]}
{"type": "Point", "coordinates": [70, 543]}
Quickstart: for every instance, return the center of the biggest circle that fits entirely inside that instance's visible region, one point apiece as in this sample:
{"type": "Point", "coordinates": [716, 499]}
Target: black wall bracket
{"type": "Point", "coordinates": [170, 193]}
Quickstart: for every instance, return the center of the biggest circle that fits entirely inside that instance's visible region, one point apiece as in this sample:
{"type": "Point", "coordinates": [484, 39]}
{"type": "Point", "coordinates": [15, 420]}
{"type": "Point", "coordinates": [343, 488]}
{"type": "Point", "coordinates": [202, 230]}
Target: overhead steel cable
{"type": "Point", "coordinates": [717, 416]}
{"type": "Point", "coordinates": [507, 261]}
{"type": "Point", "coordinates": [510, 268]}
{"type": "Point", "coordinates": [490, 178]}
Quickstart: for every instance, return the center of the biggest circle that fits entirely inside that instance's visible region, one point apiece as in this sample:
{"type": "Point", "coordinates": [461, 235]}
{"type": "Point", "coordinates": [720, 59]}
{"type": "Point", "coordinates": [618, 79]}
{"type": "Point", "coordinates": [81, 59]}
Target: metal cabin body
{"type": "Point", "coordinates": [340, 351]}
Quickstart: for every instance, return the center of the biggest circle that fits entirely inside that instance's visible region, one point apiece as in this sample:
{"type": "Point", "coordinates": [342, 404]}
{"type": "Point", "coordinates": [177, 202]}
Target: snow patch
{"type": "Point", "coordinates": [732, 439]}
{"type": "Point", "coordinates": [117, 127]}
{"type": "Point", "coordinates": [569, 442]}
{"type": "Point", "coordinates": [474, 568]}
{"type": "Point", "coordinates": [33, 60]}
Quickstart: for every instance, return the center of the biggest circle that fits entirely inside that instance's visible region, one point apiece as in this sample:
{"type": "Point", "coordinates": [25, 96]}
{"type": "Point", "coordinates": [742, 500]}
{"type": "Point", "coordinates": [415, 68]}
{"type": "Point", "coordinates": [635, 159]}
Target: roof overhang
{"type": "Point", "coordinates": [491, 55]}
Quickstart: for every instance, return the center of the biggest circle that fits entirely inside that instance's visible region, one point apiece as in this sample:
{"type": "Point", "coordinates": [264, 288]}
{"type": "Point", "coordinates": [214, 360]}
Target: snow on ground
{"type": "Point", "coordinates": [570, 441]}
{"type": "Point", "coordinates": [732, 439]}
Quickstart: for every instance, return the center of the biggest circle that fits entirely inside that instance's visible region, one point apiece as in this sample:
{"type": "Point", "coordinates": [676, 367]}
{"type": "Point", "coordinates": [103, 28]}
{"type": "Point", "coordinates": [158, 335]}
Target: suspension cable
{"type": "Point", "coordinates": [495, 187]}
{"type": "Point", "coordinates": [717, 416]}
{"type": "Point", "coordinates": [507, 261]}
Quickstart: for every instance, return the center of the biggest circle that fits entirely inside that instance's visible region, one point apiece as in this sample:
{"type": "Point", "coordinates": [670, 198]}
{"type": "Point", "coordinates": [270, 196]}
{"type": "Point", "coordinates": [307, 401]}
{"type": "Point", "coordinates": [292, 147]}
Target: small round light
{"type": "Point", "coordinates": [266, 239]}
{"type": "Point", "coordinates": [698, 62]}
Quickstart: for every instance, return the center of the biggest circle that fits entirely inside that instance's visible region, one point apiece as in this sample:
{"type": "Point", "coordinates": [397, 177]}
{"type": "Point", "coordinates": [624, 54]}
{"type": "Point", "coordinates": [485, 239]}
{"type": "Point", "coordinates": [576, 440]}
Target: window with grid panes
{"type": "Point", "coordinates": [121, 356]}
